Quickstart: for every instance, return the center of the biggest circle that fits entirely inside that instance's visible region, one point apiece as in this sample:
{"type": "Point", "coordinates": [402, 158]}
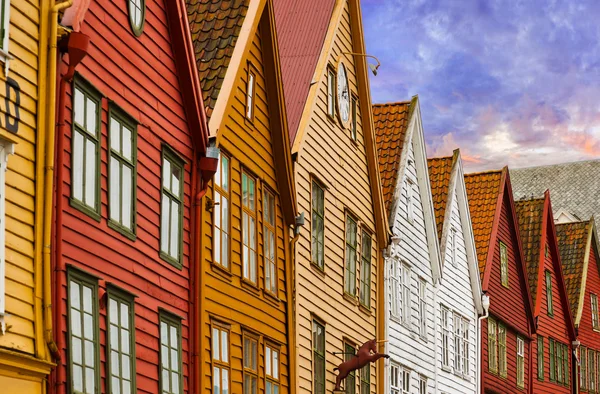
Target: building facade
{"type": "Point", "coordinates": [131, 133]}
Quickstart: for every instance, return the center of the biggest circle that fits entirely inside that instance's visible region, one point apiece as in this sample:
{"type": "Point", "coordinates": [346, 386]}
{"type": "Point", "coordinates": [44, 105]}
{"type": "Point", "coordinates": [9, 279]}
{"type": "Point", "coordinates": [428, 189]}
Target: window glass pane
{"type": "Point", "coordinates": [115, 135]}
{"type": "Point", "coordinates": [78, 154]}
{"type": "Point", "coordinates": [91, 117]}
{"type": "Point", "coordinates": [268, 361]}
{"type": "Point", "coordinates": [127, 196]}
{"type": "Point", "coordinates": [224, 346]}
{"type": "Point", "coordinates": [115, 185]}
{"type": "Point", "coordinates": [79, 110]}
{"type": "Point", "coordinates": [166, 174]}
{"type": "Point", "coordinates": [164, 225]}
{"type": "Point", "coordinates": [275, 364]}
{"type": "Point", "coordinates": [90, 173]}
{"type": "Point", "coordinates": [225, 173]}
{"type": "Point", "coordinates": [174, 252]}
{"type": "Point", "coordinates": [176, 180]}
{"type": "Point", "coordinates": [127, 133]}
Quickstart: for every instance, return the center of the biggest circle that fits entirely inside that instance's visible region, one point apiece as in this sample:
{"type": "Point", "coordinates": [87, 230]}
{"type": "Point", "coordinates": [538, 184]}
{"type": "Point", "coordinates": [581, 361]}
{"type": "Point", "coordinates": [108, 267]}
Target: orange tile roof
{"type": "Point", "coordinates": [215, 26]}
{"type": "Point", "coordinates": [483, 190]}
{"type": "Point", "coordinates": [391, 122]}
{"type": "Point", "coordinates": [529, 215]}
{"type": "Point", "coordinates": [440, 170]}
{"type": "Point", "coordinates": [572, 239]}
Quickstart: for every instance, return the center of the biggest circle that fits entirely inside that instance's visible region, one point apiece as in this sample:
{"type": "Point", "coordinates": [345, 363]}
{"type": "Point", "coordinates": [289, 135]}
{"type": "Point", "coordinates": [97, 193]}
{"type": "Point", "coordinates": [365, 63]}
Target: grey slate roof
{"type": "Point", "coordinates": [574, 187]}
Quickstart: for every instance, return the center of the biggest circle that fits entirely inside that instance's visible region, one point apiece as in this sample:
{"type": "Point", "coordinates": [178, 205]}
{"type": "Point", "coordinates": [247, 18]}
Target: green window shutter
{"type": "Point", "coordinates": [551, 345]}
{"type": "Point", "coordinates": [540, 357]}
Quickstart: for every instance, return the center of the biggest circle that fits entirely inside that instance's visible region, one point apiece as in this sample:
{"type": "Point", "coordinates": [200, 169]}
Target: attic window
{"type": "Point", "coordinates": [250, 94]}
{"type": "Point", "coordinates": [137, 15]}
{"type": "Point", "coordinates": [330, 92]}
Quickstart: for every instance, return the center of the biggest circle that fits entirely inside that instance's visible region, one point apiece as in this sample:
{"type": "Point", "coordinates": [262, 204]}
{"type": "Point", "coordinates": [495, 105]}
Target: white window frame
{"type": "Point", "coordinates": [6, 148]}
{"type": "Point", "coordinates": [594, 306]}
{"type": "Point", "coordinates": [520, 362]}
{"type": "Point", "coordinates": [453, 246]}
{"type": "Point", "coordinates": [395, 380]}
{"type": "Point", "coordinates": [405, 380]}
{"type": "Point", "coordinates": [422, 301]}
{"type": "Point", "coordinates": [504, 265]}
{"type": "Point", "coordinates": [330, 92]}
{"type": "Point", "coordinates": [250, 93]}
{"type": "Point", "coordinates": [445, 316]}
{"type": "Point", "coordinates": [405, 279]}
{"type": "Point", "coordinates": [458, 343]}
{"type": "Point", "coordinates": [394, 289]}
{"type": "Point", "coordinates": [422, 384]}
{"type": "Point", "coordinates": [466, 326]}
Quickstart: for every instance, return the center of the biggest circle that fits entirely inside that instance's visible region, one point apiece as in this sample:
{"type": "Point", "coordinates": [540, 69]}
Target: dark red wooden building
{"type": "Point", "coordinates": [130, 168]}
{"type": "Point", "coordinates": [553, 344]}
{"type": "Point", "coordinates": [506, 335]}
{"type": "Point", "coordinates": [579, 252]}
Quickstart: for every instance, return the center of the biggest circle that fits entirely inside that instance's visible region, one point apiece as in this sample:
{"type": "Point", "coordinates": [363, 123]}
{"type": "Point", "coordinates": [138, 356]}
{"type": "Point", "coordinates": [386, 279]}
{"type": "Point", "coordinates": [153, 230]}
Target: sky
{"type": "Point", "coordinates": [509, 82]}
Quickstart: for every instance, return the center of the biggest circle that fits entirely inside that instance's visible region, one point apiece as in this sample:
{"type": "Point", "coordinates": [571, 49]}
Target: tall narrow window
{"type": "Point", "coordinates": [249, 227]}
{"type": "Point", "coordinates": [549, 293]}
{"type": "Point", "coordinates": [122, 172]}
{"type": "Point", "coordinates": [350, 381]}
{"type": "Point", "coordinates": [410, 200]}
{"type": "Point", "coordinates": [502, 350]}
{"type": "Point", "coordinates": [269, 215]}
{"type": "Point", "coordinates": [405, 381]}
{"type": "Point", "coordinates": [592, 370]}
{"type": "Point", "coordinates": [5, 149]}
{"type": "Point", "coordinates": [594, 302]}
{"type": "Point", "coordinates": [137, 13]}
{"type": "Point", "coordinates": [221, 213]}
{"type": "Point", "coordinates": [171, 365]}
{"type": "Point", "coordinates": [394, 289]}
{"type": "Point", "coordinates": [422, 308]}
{"type": "Point", "coordinates": [395, 379]}
{"type": "Point", "coordinates": [250, 365]}
{"type": "Point", "coordinates": [406, 294]}
{"type": "Point", "coordinates": [445, 337]}
{"type": "Point", "coordinates": [422, 384]}
{"type": "Point", "coordinates": [220, 360]}
{"type": "Point", "coordinates": [540, 358]}
{"type": "Point", "coordinates": [466, 326]}
{"type": "Point", "coordinates": [318, 225]}
{"type": "Point", "coordinates": [120, 357]}
{"type": "Point", "coordinates": [354, 117]}
{"type": "Point", "coordinates": [365, 270]}
{"type": "Point", "coordinates": [551, 351]}
{"type": "Point", "coordinates": [492, 346]}
{"type": "Point", "coordinates": [250, 94]}
{"type": "Point", "coordinates": [453, 246]}
{"type": "Point", "coordinates": [84, 344]}
{"type": "Point", "coordinates": [171, 225]}
{"type": "Point", "coordinates": [583, 375]}
{"type": "Point", "coordinates": [330, 93]}
{"type": "Point", "coordinates": [458, 344]}
{"type": "Point", "coordinates": [318, 357]}
{"type": "Point", "coordinates": [351, 241]}
{"type": "Point", "coordinates": [5, 24]}
{"type": "Point", "coordinates": [503, 265]}
{"type": "Point", "coordinates": [272, 369]}
{"type": "Point", "coordinates": [85, 155]}
{"type": "Point", "coordinates": [365, 379]}
{"type": "Point", "coordinates": [558, 357]}
{"type": "Point", "coordinates": [520, 362]}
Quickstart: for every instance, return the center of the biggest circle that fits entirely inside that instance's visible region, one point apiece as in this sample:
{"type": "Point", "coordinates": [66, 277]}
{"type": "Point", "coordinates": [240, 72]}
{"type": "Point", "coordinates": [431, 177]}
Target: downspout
{"type": "Point", "coordinates": [436, 288]}
{"type": "Point", "coordinates": [485, 303]}
{"type": "Point", "coordinates": [291, 311]}
{"type": "Point", "coordinates": [530, 374]}
{"type": "Point", "coordinates": [192, 301]}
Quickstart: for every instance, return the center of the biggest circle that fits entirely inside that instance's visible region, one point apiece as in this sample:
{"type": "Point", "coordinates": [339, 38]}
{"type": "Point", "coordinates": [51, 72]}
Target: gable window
{"type": "Point", "coordinates": [272, 369]}
{"type": "Point", "coordinates": [540, 358]}
{"type": "Point", "coordinates": [171, 225]}
{"type": "Point", "coordinates": [583, 368]}
{"type": "Point", "coordinates": [492, 346]}
{"type": "Point", "coordinates": [520, 362]}
{"type": "Point", "coordinates": [250, 88]}
{"type": "Point", "coordinates": [250, 365]}
{"type": "Point", "coordinates": [122, 172]}
{"type": "Point", "coordinates": [6, 148]}
{"type": "Point", "coordinates": [394, 289]}
{"type": "Point", "coordinates": [84, 344]}
{"type": "Point", "coordinates": [594, 302]}
{"type": "Point", "coordinates": [410, 200]}
{"type": "Point", "coordinates": [406, 303]}
{"type": "Point", "coordinates": [318, 225]}
{"type": "Point", "coordinates": [5, 24]}
{"type": "Point", "coordinates": [354, 117]}
{"type": "Point", "coordinates": [85, 149]}
{"type": "Point", "coordinates": [120, 360]}
{"type": "Point", "coordinates": [453, 246]}
{"type": "Point", "coordinates": [365, 270]}
{"type": "Point", "coordinates": [330, 92]}
{"type": "Point", "coordinates": [269, 215]}
{"type": "Point", "coordinates": [351, 241]}
{"type": "Point", "coordinates": [350, 381]}
{"type": "Point", "coordinates": [221, 213]}
{"type": "Point", "coordinates": [249, 227]}
{"type": "Point", "coordinates": [137, 14]}
{"type": "Point", "coordinates": [220, 359]}
{"type": "Point", "coordinates": [171, 366]}
{"type": "Point", "coordinates": [502, 350]}
{"type": "Point", "coordinates": [445, 337]}
{"type": "Point", "coordinates": [422, 301]}
{"type": "Point", "coordinates": [503, 265]}
{"type": "Point", "coordinates": [318, 357]}
{"type": "Point", "coordinates": [365, 379]}
{"type": "Point", "coordinates": [549, 293]}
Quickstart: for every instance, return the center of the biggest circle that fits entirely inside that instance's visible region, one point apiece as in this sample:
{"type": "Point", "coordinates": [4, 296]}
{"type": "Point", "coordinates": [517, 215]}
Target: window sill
{"type": "Point", "coordinates": [350, 298]}
{"type": "Point", "coordinates": [364, 309]}
{"type": "Point", "coordinates": [124, 231]}
{"type": "Point", "coordinates": [5, 58]}
{"type": "Point", "coordinates": [271, 297]}
{"type": "Point", "coordinates": [446, 369]}
{"type": "Point", "coordinates": [319, 270]}
{"type": "Point", "coordinates": [172, 261]}
{"type": "Point", "coordinates": [84, 209]}
{"type": "Point", "coordinates": [249, 286]}
{"type": "Point", "coordinates": [221, 271]}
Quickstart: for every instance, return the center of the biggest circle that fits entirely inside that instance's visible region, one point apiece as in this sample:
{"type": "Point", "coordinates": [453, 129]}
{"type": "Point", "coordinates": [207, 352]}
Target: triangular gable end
{"type": "Point", "coordinates": [592, 246]}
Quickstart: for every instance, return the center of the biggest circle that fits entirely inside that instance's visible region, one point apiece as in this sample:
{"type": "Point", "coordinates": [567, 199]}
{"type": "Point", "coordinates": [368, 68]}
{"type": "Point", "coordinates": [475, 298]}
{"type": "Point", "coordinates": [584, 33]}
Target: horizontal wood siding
{"type": "Point", "coordinates": [329, 155]}
{"type": "Point", "coordinates": [138, 74]}
{"type": "Point", "coordinates": [589, 337]}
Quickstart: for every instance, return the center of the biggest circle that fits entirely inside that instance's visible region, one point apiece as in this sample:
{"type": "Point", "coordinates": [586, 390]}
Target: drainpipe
{"type": "Point", "coordinates": [436, 288]}
{"type": "Point", "coordinates": [485, 303]}
{"type": "Point", "coordinates": [291, 311]}
{"type": "Point", "coordinates": [192, 301]}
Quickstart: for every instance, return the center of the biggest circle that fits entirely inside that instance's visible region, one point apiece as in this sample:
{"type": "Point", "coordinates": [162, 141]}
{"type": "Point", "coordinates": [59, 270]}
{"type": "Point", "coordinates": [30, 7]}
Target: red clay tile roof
{"type": "Point", "coordinates": [483, 190]}
{"type": "Point", "coordinates": [215, 26]}
{"type": "Point", "coordinates": [391, 122]}
{"type": "Point", "coordinates": [572, 239]}
{"type": "Point", "coordinates": [529, 215]}
{"type": "Point", "coordinates": [440, 170]}
{"type": "Point", "coordinates": [301, 29]}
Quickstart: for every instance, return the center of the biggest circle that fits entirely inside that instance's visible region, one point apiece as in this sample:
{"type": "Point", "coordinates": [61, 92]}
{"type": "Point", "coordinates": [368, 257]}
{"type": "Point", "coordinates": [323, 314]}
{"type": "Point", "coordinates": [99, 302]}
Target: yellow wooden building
{"type": "Point", "coordinates": [248, 214]}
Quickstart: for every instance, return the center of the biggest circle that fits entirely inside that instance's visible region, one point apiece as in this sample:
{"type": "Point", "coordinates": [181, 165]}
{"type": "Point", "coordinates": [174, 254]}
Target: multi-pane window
{"type": "Point", "coordinates": [250, 365]}
{"type": "Point", "coordinates": [85, 156]}
{"type": "Point", "coordinates": [272, 369]}
{"type": "Point", "coordinates": [583, 366]}
{"type": "Point", "coordinates": [465, 347]}
{"type": "Point", "coordinates": [492, 345]}
{"type": "Point", "coordinates": [354, 117]}
{"type": "Point", "coordinates": [318, 357]}
{"type": "Point", "coordinates": [4, 24]}
{"type": "Point", "coordinates": [446, 316]}
{"type": "Point", "coordinates": [395, 379]}
{"type": "Point", "coordinates": [422, 300]}
{"type": "Point", "coordinates": [394, 289]}
{"type": "Point", "coordinates": [502, 350]}
{"type": "Point", "coordinates": [121, 203]}
{"type": "Point", "coordinates": [549, 293]}
{"type": "Point", "coordinates": [330, 93]}
{"type": "Point", "coordinates": [552, 359]}
{"type": "Point", "coordinates": [171, 366]}
{"type": "Point", "coordinates": [559, 361]}
{"type": "Point", "coordinates": [84, 360]}
{"type": "Point", "coordinates": [422, 384]}
{"type": "Point", "coordinates": [350, 381]}
{"type": "Point", "coordinates": [121, 342]}
{"type": "Point", "coordinates": [592, 370]}
{"type": "Point", "coordinates": [365, 270]}
{"type": "Point", "coordinates": [503, 265]}
{"type": "Point", "coordinates": [458, 342]}
{"type": "Point", "coordinates": [137, 10]}
{"type": "Point", "coordinates": [220, 360]}
{"type": "Point", "coordinates": [405, 381]}
{"type": "Point", "coordinates": [5, 149]}
{"type": "Point", "coordinates": [318, 225]}
{"type": "Point", "coordinates": [520, 362]}
{"type": "Point", "coordinates": [249, 227]}
{"type": "Point", "coordinates": [406, 294]}
{"type": "Point", "coordinates": [171, 218]}
{"type": "Point", "coordinates": [365, 379]}
{"type": "Point", "coordinates": [221, 213]}
{"type": "Point", "coordinates": [540, 357]}
{"type": "Point", "coordinates": [250, 88]}
{"type": "Point", "coordinates": [452, 243]}
{"type": "Point", "coordinates": [594, 302]}
{"type": "Point", "coordinates": [351, 245]}
{"type": "Point", "coordinates": [269, 215]}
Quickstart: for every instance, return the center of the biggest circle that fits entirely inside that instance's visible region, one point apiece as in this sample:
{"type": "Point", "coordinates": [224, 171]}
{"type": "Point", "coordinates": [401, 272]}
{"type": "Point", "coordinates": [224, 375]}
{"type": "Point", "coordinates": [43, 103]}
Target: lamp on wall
{"type": "Point", "coordinates": [372, 67]}
{"type": "Point", "coordinates": [208, 165]}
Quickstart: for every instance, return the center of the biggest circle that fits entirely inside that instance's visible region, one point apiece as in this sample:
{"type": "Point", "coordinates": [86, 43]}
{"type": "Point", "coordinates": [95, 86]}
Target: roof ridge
{"type": "Point", "coordinates": [440, 158]}
{"type": "Point", "coordinates": [484, 173]}
{"type": "Point", "coordinates": [389, 104]}
{"type": "Point", "coordinates": [559, 164]}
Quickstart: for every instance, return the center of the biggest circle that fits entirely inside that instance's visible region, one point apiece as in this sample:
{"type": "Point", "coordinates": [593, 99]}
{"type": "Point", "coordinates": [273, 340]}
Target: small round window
{"type": "Point", "coordinates": [137, 13]}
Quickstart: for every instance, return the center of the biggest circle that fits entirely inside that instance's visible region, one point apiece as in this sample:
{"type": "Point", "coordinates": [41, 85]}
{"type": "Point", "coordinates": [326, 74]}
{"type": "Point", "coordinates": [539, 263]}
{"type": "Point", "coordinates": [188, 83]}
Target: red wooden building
{"type": "Point", "coordinates": [506, 335]}
{"type": "Point", "coordinates": [579, 252]}
{"type": "Point", "coordinates": [553, 345]}
{"type": "Point", "coordinates": [130, 168]}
